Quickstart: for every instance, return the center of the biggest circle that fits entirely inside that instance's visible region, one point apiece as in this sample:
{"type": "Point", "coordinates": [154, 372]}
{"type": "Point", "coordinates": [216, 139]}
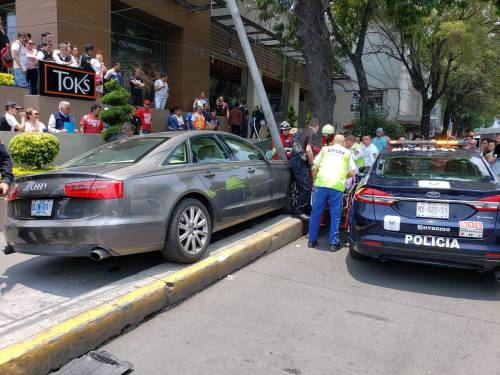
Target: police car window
{"type": "Point", "coordinates": [242, 151]}
{"type": "Point", "coordinates": [460, 168]}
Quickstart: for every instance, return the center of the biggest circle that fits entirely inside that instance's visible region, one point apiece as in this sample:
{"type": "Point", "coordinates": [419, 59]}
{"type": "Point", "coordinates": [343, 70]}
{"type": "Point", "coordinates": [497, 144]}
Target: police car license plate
{"type": "Point", "coordinates": [433, 210]}
{"type": "Point", "coordinates": [41, 207]}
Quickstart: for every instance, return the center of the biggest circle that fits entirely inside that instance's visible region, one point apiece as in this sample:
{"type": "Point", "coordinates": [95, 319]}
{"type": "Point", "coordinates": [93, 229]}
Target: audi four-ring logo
{"type": "Point", "coordinates": [39, 186]}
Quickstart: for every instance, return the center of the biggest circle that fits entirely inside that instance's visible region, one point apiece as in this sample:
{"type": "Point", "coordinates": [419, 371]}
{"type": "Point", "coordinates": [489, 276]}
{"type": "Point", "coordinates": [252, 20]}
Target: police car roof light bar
{"type": "Point", "coordinates": [444, 143]}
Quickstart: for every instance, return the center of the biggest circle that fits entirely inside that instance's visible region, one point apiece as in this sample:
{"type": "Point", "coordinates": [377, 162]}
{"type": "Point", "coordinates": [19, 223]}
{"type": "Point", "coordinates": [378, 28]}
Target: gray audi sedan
{"type": "Point", "coordinates": [164, 191]}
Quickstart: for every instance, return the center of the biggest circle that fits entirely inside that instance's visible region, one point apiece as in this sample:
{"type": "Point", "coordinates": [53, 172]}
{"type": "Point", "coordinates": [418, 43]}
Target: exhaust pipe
{"type": "Point", "coordinates": [8, 249]}
{"type": "Point", "coordinates": [99, 254]}
{"type": "Point", "coordinates": [497, 275]}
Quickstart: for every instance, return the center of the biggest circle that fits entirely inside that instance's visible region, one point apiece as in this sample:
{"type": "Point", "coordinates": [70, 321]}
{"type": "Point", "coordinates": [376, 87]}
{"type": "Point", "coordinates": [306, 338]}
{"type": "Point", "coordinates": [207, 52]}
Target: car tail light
{"type": "Point", "coordinates": [492, 255]}
{"type": "Point", "coordinates": [12, 195]}
{"type": "Point", "coordinates": [98, 189]}
{"type": "Point", "coordinates": [374, 196]}
{"type": "Point", "coordinates": [487, 204]}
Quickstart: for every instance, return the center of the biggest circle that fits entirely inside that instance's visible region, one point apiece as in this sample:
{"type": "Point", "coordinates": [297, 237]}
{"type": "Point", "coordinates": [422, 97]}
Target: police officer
{"type": "Point", "coordinates": [332, 167]}
{"type": "Point", "coordinates": [301, 163]}
{"type": "Point", "coordinates": [5, 170]}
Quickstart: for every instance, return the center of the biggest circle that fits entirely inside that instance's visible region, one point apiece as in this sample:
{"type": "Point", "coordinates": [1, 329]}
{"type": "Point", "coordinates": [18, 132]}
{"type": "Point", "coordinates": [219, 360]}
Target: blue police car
{"type": "Point", "coordinates": [431, 204]}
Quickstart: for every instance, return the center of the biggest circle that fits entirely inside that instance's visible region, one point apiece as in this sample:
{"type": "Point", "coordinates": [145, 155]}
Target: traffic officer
{"type": "Point", "coordinates": [357, 153]}
{"type": "Point", "coordinates": [286, 140]}
{"type": "Point", "coordinates": [5, 170]}
{"type": "Point", "coordinates": [331, 168]}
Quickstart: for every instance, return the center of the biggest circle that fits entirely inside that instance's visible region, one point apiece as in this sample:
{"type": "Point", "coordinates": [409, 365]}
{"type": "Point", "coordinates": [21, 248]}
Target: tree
{"type": "Point", "coordinates": [472, 98]}
{"type": "Point", "coordinates": [304, 26]}
{"type": "Point", "coordinates": [431, 39]}
{"type": "Point", "coordinates": [119, 112]}
{"type": "Point", "coordinates": [349, 23]}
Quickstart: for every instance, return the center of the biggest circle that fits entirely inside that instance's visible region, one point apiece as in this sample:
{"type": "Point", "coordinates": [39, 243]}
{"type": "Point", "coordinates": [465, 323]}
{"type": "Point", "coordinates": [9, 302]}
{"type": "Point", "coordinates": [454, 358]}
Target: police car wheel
{"type": "Point", "coordinates": [354, 254]}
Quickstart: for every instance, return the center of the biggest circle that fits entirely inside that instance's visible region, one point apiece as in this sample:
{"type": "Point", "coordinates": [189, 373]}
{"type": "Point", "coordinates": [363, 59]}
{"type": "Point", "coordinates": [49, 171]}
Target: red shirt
{"type": "Point", "coordinates": [287, 142]}
{"type": "Point", "coordinates": [146, 118]}
{"type": "Point", "coordinates": [92, 124]}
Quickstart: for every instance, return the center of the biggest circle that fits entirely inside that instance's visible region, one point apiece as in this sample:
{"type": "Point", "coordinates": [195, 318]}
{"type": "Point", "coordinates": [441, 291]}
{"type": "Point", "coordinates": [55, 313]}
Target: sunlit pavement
{"type": "Point", "coordinates": [306, 311]}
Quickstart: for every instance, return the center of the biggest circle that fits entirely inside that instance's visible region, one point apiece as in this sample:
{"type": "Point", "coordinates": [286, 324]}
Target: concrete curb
{"type": "Point", "coordinates": [74, 337]}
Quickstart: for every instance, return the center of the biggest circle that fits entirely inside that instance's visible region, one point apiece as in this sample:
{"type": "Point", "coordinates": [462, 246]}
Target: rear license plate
{"type": "Point", "coordinates": [41, 207]}
{"type": "Point", "coordinates": [433, 210]}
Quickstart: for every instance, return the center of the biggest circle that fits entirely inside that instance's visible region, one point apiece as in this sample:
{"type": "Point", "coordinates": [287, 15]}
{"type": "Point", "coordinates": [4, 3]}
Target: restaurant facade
{"type": "Point", "coordinates": [194, 43]}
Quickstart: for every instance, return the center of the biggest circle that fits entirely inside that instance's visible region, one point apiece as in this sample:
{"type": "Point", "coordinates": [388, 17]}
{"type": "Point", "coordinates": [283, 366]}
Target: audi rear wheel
{"type": "Point", "coordinates": [188, 233]}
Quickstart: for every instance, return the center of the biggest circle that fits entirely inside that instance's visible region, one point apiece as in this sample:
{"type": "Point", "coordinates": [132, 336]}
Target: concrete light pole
{"type": "Point", "coordinates": [254, 71]}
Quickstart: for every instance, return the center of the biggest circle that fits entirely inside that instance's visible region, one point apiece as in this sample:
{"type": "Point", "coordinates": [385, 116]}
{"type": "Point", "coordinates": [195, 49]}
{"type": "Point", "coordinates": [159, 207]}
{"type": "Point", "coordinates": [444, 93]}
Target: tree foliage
{"type": "Point", "coordinates": [472, 98]}
{"type": "Point", "coordinates": [119, 112]}
{"type": "Point", "coordinates": [376, 118]}
{"type": "Point", "coordinates": [302, 24]}
{"type": "Point", "coordinates": [433, 39]}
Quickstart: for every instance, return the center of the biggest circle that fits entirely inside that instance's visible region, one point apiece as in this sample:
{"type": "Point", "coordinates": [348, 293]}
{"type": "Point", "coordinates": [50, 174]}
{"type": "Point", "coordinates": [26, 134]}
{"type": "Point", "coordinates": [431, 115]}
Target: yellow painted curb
{"type": "Point", "coordinates": [74, 337]}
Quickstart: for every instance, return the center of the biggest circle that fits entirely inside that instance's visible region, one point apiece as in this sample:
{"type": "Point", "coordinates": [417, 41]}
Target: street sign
{"type": "Point", "coordinates": [64, 81]}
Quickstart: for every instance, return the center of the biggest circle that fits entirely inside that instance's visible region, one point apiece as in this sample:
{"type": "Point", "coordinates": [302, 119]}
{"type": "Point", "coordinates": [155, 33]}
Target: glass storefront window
{"type": "Point", "coordinates": [225, 80]}
{"type": "Point", "coordinates": [134, 44]}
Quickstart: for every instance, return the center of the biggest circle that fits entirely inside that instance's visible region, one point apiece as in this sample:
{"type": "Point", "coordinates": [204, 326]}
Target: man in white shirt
{"type": "Point", "coordinates": [9, 121]}
{"type": "Point", "coordinates": [201, 101]}
{"type": "Point", "coordinates": [370, 150]}
{"type": "Point", "coordinates": [162, 91]}
{"type": "Point", "coordinates": [61, 56]}
{"type": "Point", "coordinates": [62, 121]}
{"type": "Point", "coordinates": [19, 54]}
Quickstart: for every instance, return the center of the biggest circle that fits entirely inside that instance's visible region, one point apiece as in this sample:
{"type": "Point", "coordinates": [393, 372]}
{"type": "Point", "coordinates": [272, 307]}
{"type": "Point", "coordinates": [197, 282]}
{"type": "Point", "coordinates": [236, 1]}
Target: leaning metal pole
{"type": "Point", "coordinates": [257, 80]}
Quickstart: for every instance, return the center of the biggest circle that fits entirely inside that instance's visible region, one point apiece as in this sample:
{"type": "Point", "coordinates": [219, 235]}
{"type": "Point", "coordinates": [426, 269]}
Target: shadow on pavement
{"type": "Point", "coordinates": [72, 277]}
{"type": "Point", "coordinates": [424, 279]}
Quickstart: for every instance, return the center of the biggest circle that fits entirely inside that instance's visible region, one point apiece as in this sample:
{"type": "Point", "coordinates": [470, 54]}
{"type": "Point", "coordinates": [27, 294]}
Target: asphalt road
{"type": "Point", "coordinates": [304, 311]}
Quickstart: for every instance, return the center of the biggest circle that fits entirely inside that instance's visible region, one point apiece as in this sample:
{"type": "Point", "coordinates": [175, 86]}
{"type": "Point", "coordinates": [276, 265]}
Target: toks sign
{"type": "Point", "coordinates": [63, 81]}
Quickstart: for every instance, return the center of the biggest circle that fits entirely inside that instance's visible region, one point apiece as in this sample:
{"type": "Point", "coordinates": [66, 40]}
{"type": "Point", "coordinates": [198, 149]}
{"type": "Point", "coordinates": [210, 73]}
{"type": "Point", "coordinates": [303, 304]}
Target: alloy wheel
{"type": "Point", "coordinates": [193, 230]}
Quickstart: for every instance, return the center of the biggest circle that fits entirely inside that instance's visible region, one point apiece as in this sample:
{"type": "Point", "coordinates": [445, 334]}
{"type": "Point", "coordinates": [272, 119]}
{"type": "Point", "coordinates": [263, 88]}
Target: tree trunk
{"type": "Point", "coordinates": [317, 50]}
{"type": "Point", "coordinates": [425, 122]}
{"type": "Point", "coordinates": [364, 92]}
{"type": "Point", "coordinates": [446, 120]}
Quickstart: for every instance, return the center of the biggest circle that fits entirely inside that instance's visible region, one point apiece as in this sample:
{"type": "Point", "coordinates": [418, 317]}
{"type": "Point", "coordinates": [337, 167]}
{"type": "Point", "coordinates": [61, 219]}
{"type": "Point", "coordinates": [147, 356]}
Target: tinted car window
{"type": "Point", "coordinates": [126, 151]}
{"type": "Point", "coordinates": [445, 167]}
{"type": "Point", "coordinates": [179, 156]}
{"type": "Point", "coordinates": [242, 151]}
{"type": "Point", "coordinates": [207, 150]}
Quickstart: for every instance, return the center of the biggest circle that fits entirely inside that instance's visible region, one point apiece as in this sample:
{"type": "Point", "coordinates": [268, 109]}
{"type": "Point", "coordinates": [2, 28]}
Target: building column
{"type": "Point", "coordinates": [252, 97]}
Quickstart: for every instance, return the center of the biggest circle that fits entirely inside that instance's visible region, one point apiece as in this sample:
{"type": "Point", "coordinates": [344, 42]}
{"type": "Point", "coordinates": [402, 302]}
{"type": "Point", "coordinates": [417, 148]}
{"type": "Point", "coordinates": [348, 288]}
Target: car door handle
{"type": "Point", "coordinates": [251, 170]}
{"type": "Point", "coordinates": [209, 174]}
